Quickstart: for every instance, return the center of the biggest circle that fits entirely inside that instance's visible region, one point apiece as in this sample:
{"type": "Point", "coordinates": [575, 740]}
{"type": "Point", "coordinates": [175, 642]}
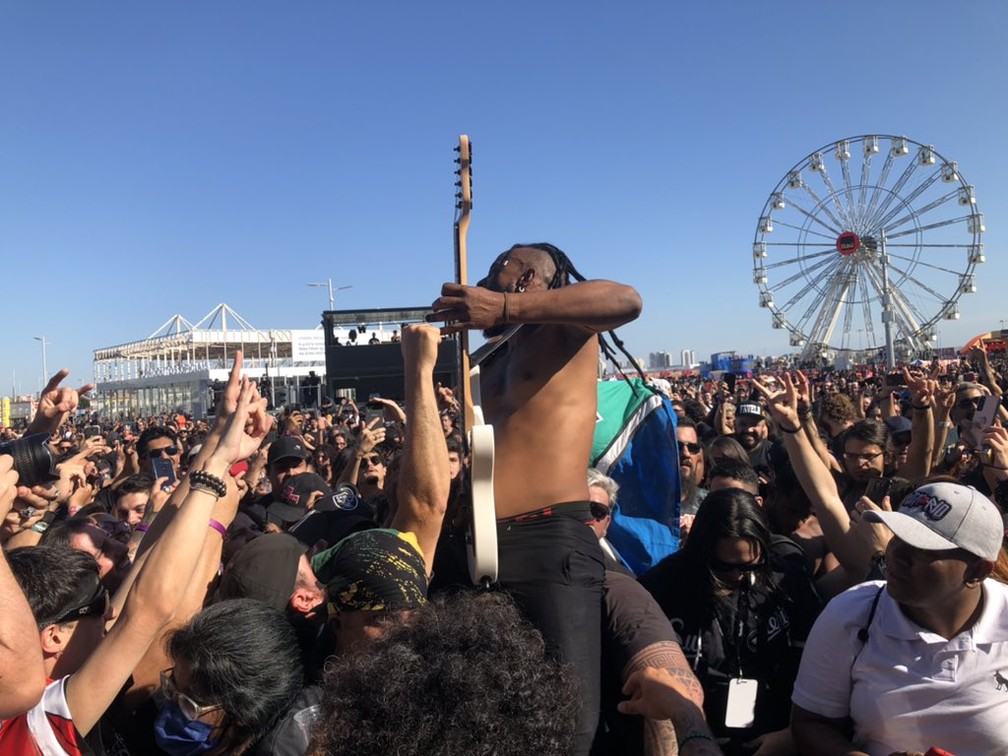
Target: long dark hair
{"type": "Point", "coordinates": [728, 513]}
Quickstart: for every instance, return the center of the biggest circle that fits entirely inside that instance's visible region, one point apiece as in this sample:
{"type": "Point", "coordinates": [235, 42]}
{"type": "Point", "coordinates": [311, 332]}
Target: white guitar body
{"type": "Point", "coordinates": [481, 540]}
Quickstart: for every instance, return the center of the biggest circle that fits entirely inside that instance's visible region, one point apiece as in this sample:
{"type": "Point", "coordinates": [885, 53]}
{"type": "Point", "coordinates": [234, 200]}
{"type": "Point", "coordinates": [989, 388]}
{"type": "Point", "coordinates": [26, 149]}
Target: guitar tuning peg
{"type": "Point", "coordinates": [456, 148]}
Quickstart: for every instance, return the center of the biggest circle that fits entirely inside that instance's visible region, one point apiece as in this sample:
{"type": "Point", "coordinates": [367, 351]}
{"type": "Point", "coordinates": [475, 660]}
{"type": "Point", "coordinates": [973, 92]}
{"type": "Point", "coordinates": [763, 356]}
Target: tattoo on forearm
{"type": "Point", "coordinates": [669, 656]}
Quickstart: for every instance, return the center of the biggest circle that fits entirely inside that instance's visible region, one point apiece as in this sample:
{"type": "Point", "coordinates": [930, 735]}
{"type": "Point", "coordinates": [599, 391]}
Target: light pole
{"type": "Point", "coordinates": [45, 368]}
{"type": "Point", "coordinates": [328, 285]}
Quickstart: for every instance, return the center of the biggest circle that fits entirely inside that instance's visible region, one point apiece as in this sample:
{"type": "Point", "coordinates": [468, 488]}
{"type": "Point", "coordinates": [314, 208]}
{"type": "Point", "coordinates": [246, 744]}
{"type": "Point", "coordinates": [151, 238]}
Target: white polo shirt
{"type": "Point", "coordinates": [907, 688]}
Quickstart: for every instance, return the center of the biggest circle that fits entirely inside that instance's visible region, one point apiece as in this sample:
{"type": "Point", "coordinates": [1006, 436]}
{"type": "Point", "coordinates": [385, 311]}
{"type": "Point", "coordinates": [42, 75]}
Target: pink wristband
{"type": "Point", "coordinates": [219, 527]}
{"type": "Point", "coordinates": [142, 528]}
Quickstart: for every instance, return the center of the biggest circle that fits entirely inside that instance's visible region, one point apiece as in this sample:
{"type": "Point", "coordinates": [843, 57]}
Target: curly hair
{"type": "Point", "coordinates": [466, 675]}
{"type": "Point", "coordinates": [837, 409]}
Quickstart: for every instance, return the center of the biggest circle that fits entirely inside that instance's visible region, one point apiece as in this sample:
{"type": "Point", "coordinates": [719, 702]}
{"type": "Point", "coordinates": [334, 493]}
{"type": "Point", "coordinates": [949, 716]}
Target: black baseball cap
{"type": "Point", "coordinates": [286, 447]}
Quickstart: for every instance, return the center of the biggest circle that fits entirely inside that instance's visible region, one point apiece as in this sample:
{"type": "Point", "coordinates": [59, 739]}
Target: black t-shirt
{"type": "Point", "coordinates": [755, 633]}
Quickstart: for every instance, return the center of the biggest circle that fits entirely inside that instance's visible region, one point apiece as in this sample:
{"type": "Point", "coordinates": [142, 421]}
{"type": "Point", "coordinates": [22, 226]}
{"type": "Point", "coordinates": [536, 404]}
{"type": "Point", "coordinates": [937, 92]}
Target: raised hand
{"type": "Point", "coordinates": [464, 307]}
{"type": "Point", "coordinates": [56, 404]}
{"type": "Point", "coordinates": [8, 484]}
{"type": "Point", "coordinates": [782, 403]}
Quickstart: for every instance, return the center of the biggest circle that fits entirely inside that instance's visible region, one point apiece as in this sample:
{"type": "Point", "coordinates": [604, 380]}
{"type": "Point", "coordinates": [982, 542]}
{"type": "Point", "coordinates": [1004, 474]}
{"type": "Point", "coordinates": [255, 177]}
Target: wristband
{"type": "Point", "coordinates": [790, 430]}
{"type": "Point", "coordinates": [40, 527]}
{"type": "Point", "coordinates": [219, 527]}
{"type": "Point", "coordinates": [921, 407]}
{"type": "Point", "coordinates": [695, 736]}
{"type": "Point", "coordinates": [142, 528]}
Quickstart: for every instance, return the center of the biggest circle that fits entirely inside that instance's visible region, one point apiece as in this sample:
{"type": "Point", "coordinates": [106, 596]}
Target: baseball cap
{"type": "Point", "coordinates": [292, 500]}
{"type": "Point", "coordinates": [749, 408]}
{"type": "Point", "coordinates": [898, 424]}
{"type": "Point", "coordinates": [942, 516]}
{"type": "Point", "coordinates": [286, 447]}
{"type": "Point", "coordinates": [264, 569]}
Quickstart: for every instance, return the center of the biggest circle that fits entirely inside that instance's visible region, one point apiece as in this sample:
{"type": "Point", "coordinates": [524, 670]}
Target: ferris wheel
{"type": "Point", "coordinates": [856, 258]}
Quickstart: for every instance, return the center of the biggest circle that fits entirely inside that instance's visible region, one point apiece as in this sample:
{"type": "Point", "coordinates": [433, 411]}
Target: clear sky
{"type": "Point", "coordinates": [160, 158]}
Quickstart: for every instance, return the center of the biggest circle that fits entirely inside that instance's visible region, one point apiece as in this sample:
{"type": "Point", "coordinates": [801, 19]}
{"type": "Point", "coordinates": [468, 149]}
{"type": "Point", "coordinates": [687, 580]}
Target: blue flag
{"type": "Point", "coordinates": [635, 445]}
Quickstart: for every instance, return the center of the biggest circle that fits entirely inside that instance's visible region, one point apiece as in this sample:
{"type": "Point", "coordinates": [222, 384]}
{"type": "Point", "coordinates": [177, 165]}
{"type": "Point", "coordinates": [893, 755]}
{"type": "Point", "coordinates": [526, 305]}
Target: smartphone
{"type": "Point", "coordinates": [894, 379]}
{"type": "Point", "coordinates": [91, 430]}
{"type": "Point", "coordinates": [983, 418]}
{"type": "Point", "coordinates": [163, 468]}
{"type": "Point", "coordinates": [877, 489]}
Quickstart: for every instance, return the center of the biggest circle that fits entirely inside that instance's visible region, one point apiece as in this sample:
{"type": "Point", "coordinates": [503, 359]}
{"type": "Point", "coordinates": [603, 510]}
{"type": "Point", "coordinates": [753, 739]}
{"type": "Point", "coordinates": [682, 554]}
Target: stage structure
{"type": "Point", "coordinates": [181, 365]}
{"type": "Point", "coordinates": [363, 356]}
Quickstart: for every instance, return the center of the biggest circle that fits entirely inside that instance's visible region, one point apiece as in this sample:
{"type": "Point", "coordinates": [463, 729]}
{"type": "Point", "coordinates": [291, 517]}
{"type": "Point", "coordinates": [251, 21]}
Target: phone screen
{"type": "Point", "coordinates": [163, 468]}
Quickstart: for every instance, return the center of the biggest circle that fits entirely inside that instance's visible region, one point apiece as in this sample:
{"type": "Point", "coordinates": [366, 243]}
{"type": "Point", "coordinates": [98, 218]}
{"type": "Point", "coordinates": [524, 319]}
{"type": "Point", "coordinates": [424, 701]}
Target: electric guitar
{"type": "Point", "coordinates": [481, 538]}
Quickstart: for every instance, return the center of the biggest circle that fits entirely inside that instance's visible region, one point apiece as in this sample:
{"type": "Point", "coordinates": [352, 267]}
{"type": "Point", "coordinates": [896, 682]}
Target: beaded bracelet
{"type": "Point", "coordinates": [200, 479]}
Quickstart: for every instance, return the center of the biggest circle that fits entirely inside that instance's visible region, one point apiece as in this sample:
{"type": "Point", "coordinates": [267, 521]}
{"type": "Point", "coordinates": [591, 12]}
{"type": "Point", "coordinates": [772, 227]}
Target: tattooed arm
{"type": "Point", "coordinates": [663, 689]}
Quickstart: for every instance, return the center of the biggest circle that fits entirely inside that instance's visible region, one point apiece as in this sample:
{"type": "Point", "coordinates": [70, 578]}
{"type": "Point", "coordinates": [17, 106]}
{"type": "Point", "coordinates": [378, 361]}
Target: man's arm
{"type": "Point", "coordinates": [662, 693]}
{"type": "Point", "coordinates": [593, 305]}
{"type": "Point", "coordinates": [424, 474]}
{"type": "Point", "coordinates": [660, 734]}
{"type": "Point", "coordinates": [922, 431]}
{"type": "Point", "coordinates": [165, 576]}
{"type": "Point", "coordinates": [22, 676]}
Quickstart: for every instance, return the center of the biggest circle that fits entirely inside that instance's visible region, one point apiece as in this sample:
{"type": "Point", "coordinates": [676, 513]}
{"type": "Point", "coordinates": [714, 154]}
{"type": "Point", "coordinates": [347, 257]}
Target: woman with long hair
{"type": "Point", "coordinates": [742, 601]}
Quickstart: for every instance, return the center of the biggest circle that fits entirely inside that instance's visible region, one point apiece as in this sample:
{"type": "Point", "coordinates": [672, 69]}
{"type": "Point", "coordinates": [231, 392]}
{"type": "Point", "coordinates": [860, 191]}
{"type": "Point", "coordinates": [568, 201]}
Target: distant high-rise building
{"type": "Point", "coordinates": [659, 360]}
{"type": "Point", "coordinates": [687, 357]}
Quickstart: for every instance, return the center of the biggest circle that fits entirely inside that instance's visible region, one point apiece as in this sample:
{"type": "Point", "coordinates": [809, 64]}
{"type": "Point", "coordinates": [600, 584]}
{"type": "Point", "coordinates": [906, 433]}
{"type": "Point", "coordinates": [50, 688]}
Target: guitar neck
{"type": "Point", "coordinates": [464, 207]}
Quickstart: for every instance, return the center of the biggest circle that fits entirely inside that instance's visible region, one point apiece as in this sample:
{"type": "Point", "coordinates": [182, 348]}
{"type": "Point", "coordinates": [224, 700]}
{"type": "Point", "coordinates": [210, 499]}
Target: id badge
{"type": "Point", "coordinates": [741, 708]}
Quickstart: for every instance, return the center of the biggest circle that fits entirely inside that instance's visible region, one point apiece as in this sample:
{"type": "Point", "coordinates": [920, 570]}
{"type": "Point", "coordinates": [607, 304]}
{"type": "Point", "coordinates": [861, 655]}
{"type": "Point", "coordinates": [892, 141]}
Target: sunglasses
{"type": "Point", "coordinates": [973, 403]}
{"type": "Point", "coordinates": [599, 511]}
{"type": "Point", "coordinates": [97, 605]}
{"type": "Point", "coordinates": [374, 459]}
{"type": "Point", "coordinates": [171, 451]}
{"type": "Point", "coordinates": [718, 566]}
{"type": "Point", "coordinates": [189, 708]}
{"type": "Point", "coordinates": [691, 447]}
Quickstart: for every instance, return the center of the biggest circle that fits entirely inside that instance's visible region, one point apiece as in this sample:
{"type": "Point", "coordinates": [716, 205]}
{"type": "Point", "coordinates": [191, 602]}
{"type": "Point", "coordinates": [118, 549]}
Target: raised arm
{"type": "Point", "coordinates": [815, 479]}
{"type": "Point", "coordinates": [56, 404]}
{"type": "Point", "coordinates": [22, 675]}
{"type": "Point", "coordinates": [424, 475]}
{"type": "Point", "coordinates": [596, 306]}
{"type": "Point", "coordinates": [922, 431]}
{"type": "Point", "coordinates": [170, 565]}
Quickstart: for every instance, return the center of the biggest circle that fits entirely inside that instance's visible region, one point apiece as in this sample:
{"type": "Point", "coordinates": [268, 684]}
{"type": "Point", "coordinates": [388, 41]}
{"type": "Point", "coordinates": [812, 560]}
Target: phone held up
{"type": "Point", "coordinates": [163, 468]}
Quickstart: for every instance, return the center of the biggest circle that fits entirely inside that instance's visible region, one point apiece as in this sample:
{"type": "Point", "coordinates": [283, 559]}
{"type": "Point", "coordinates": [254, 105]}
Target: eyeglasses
{"type": "Point", "coordinates": [98, 605]}
{"type": "Point", "coordinates": [862, 457]}
{"type": "Point", "coordinates": [689, 446]}
{"type": "Point", "coordinates": [374, 459]}
{"type": "Point", "coordinates": [190, 708]}
{"type": "Point", "coordinates": [171, 451]}
{"type": "Point", "coordinates": [718, 566]}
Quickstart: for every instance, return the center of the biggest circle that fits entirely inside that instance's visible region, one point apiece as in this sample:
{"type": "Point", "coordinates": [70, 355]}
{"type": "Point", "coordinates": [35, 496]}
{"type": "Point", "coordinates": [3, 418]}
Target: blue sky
{"type": "Point", "coordinates": [160, 158]}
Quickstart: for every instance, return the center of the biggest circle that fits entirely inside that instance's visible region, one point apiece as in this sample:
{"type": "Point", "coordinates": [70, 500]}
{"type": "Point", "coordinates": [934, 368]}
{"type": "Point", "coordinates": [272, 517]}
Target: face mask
{"type": "Point", "coordinates": [178, 736]}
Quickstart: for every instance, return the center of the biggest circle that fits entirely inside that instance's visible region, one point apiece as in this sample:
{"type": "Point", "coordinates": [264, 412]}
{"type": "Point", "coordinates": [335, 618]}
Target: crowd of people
{"type": "Point", "coordinates": [296, 582]}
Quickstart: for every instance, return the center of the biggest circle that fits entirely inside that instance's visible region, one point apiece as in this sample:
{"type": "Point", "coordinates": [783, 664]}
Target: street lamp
{"type": "Point", "coordinates": [45, 368]}
{"type": "Point", "coordinates": [328, 285]}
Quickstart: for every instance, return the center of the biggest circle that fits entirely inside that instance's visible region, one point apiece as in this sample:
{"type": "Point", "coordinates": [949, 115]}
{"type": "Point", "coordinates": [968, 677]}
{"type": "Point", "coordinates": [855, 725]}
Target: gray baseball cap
{"type": "Point", "coordinates": [942, 516]}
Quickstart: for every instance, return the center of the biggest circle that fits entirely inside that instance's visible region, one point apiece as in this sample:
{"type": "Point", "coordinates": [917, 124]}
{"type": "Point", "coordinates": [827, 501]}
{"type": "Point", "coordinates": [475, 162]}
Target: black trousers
{"type": "Point", "coordinates": [551, 564]}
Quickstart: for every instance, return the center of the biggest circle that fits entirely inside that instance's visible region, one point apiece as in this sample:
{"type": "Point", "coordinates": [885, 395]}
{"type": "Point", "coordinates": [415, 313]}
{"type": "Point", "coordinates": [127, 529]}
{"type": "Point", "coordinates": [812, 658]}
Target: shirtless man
{"type": "Point", "coordinates": [539, 394]}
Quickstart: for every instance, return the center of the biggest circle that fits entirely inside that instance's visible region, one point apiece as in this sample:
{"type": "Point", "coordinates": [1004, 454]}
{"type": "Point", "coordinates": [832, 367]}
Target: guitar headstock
{"type": "Point", "coordinates": [463, 195]}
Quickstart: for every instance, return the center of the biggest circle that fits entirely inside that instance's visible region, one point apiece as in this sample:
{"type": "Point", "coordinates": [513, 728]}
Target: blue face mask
{"type": "Point", "coordinates": [177, 735]}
